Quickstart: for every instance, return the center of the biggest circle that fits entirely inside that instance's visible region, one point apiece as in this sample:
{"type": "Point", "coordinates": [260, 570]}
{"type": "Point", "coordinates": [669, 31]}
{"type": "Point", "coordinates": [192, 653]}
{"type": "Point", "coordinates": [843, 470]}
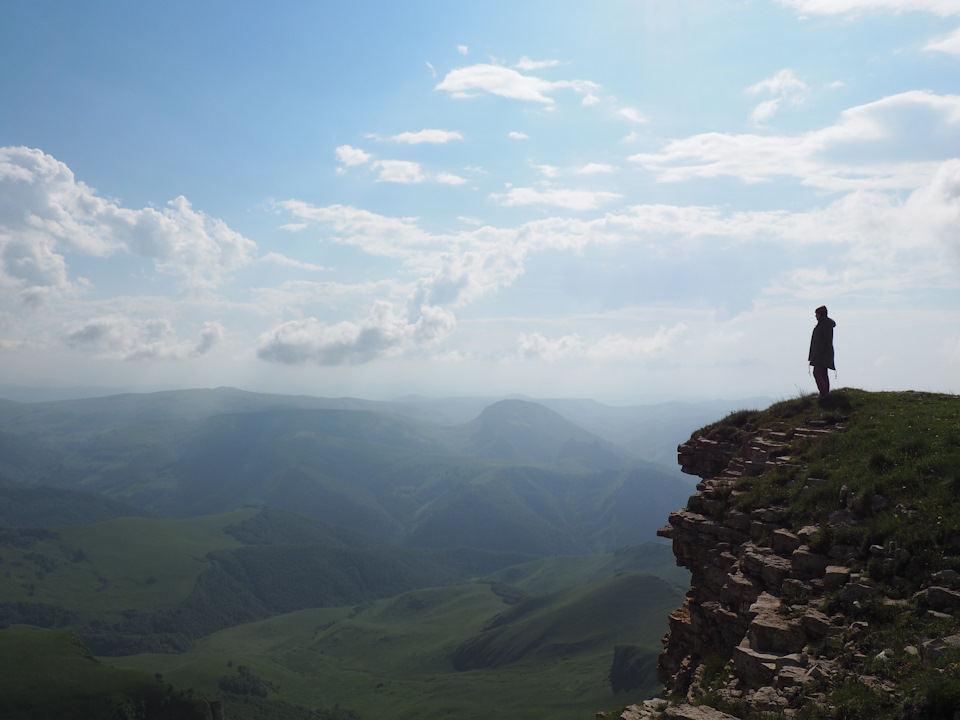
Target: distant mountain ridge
{"type": "Point", "coordinates": [519, 475]}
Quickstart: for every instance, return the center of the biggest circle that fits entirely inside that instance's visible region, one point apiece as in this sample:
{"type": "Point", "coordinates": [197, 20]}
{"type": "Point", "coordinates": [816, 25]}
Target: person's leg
{"type": "Point", "coordinates": [822, 378]}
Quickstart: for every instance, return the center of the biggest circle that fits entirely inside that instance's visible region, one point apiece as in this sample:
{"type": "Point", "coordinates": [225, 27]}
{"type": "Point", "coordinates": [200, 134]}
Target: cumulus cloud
{"type": "Point", "coordinates": [382, 334]}
{"type": "Point", "coordinates": [607, 348]}
{"type": "Point", "coordinates": [864, 149]}
{"type": "Point", "coordinates": [565, 198]}
{"type": "Point", "coordinates": [45, 213]}
{"type": "Point", "coordinates": [506, 82]}
{"type": "Point", "coordinates": [118, 337]}
{"type": "Point", "coordinates": [351, 156]}
{"type": "Point", "coordinates": [784, 86]}
{"type": "Point", "coordinates": [463, 49]}
{"type": "Point", "coordinates": [517, 135]}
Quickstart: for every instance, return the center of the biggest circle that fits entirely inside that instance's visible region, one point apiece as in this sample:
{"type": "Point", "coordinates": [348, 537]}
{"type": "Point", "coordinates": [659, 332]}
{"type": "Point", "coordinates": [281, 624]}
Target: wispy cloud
{"type": "Point", "coordinates": [943, 8]}
{"type": "Point", "coordinates": [565, 198]}
{"type": "Point", "coordinates": [526, 63]}
{"type": "Point", "coordinates": [594, 168]}
{"type": "Point", "coordinates": [784, 86]}
{"type": "Point", "coordinates": [404, 172]}
{"type": "Point", "coordinates": [863, 149]}
{"type": "Point", "coordinates": [514, 135]}
{"type": "Point", "coordinates": [949, 44]}
{"type": "Point", "coordinates": [280, 259]}
{"type": "Point", "coordinates": [632, 114]}
{"type": "Point", "coordinates": [463, 49]}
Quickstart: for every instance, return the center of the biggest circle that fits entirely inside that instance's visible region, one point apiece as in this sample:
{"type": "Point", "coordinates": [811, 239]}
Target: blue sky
{"type": "Point", "coordinates": [621, 200]}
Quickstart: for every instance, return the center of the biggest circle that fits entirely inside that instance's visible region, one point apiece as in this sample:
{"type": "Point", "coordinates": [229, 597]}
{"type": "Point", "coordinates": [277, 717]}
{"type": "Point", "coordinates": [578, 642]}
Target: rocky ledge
{"type": "Point", "coordinates": [751, 632]}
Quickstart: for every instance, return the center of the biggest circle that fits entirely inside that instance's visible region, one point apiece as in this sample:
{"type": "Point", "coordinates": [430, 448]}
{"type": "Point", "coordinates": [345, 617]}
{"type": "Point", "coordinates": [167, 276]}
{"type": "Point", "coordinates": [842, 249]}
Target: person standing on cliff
{"type": "Point", "coordinates": [821, 350]}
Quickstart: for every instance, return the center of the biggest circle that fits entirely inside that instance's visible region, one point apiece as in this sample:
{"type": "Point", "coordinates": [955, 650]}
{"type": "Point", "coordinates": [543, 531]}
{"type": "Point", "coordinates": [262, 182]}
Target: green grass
{"type": "Point", "coordinates": [549, 574]}
{"type": "Point", "coordinates": [897, 453]}
{"type": "Point", "coordinates": [100, 570]}
{"type": "Point", "coordinates": [49, 675]}
{"type": "Point", "coordinates": [392, 658]}
{"type": "Point", "coordinates": [898, 456]}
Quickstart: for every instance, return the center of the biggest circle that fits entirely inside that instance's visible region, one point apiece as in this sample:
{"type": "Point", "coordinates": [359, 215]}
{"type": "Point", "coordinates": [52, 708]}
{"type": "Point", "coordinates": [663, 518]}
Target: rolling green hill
{"type": "Point", "coordinates": [136, 583]}
{"type": "Point", "coordinates": [43, 506]}
{"type": "Point", "coordinates": [519, 477]}
{"type": "Point", "coordinates": [396, 658]}
{"type": "Point", "coordinates": [49, 675]}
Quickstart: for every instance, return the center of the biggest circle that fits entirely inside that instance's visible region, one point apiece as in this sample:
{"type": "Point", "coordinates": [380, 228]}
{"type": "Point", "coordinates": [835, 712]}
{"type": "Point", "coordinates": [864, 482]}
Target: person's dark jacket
{"type": "Point", "coordinates": [821, 344]}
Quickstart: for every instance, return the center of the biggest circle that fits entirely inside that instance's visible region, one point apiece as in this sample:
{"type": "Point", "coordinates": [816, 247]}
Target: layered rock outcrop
{"type": "Point", "coordinates": [753, 608]}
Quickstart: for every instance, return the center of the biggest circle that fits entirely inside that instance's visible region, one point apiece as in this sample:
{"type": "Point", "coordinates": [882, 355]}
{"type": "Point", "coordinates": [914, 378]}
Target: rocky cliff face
{"type": "Point", "coordinates": [756, 633]}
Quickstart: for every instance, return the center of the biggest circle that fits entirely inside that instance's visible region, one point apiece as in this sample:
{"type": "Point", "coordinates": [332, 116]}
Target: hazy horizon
{"type": "Point", "coordinates": [629, 201]}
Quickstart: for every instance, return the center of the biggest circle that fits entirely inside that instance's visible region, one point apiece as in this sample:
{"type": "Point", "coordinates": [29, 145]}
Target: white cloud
{"type": "Point", "coordinates": [590, 99]}
{"type": "Point", "coordinates": [118, 337]}
{"type": "Point", "coordinates": [376, 234]}
{"type": "Point", "coordinates": [399, 171]}
{"type": "Point", "coordinates": [351, 156]}
{"type": "Point", "coordinates": [607, 348]}
{"type": "Point", "coordinates": [280, 259]}
{"type": "Point", "coordinates": [526, 63]}
{"type": "Point", "coordinates": [438, 137]}
{"type": "Point", "coordinates": [594, 168]}
{"type": "Point", "coordinates": [463, 49]}
{"type": "Point", "coordinates": [949, 44]}
{"type": "Point", "coordinates": [445, 178]}
{"type": "Point", "coordinates": [45, 213]}
{"type": "Point", "coordinates": [783, 83]}
{"type": "Point", "coordinates": [549, 171]}
{"type": "Point", "coordinates": [864, 149]}
{"type": "Point", "coordinates": [381, 334]}
{"type": "Point", "coordinates": [518, 135]}
{"type": "Point", "coordinates": [506, 82]}
{"type": "Point", "coordinates": [570, 199]}
{"type": "Point", "coordinates": [943, 8]}
{"type": "Point", "coordinates": [433, 70]}
{"type": "Point", "coordinates": [785, 86]}
{"type": "Point", "coordinates": [632, 114]}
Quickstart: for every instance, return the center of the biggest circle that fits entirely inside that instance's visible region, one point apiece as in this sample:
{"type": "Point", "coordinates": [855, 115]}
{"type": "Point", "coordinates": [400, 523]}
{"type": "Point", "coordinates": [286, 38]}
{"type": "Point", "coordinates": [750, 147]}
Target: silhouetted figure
{"type": "Point", "coordinates": [821, 350]}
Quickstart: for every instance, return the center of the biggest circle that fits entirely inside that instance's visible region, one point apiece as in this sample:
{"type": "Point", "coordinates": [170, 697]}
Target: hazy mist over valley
{"type": "Point", "coordinates": [487, 540]}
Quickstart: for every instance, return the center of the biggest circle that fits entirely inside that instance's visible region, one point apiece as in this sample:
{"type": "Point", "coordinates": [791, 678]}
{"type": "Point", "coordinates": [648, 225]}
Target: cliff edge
{"type": "Point", "coordinates": [824, 548]}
